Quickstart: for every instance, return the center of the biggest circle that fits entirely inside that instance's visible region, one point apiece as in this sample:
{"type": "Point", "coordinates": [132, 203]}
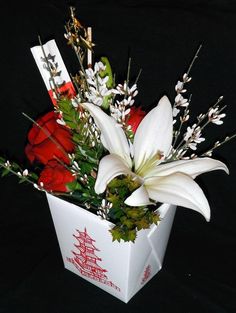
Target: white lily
{"type": "Point", "coordinates": [172, 182]}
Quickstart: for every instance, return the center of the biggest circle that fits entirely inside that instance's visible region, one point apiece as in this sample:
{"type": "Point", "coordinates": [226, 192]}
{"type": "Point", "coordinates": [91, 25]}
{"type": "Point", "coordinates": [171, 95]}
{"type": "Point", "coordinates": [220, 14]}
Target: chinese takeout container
{"type": "Point", "coordinates": [119, 268]}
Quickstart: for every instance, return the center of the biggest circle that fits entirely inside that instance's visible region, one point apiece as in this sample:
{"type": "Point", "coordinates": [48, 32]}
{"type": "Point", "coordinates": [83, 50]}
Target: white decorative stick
{"type": "Point", "coordinates": [48, 58]}
{"type": "Point", "coordinates": [89, 54]}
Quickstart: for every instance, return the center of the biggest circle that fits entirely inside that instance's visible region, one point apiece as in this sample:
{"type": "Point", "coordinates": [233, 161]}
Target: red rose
{"type": "Point", "coordinates": [55, 176]}
{"type": "Point", "coordinates": [49, 140]}
{"type": "Point", "coordinates": [135, 117]}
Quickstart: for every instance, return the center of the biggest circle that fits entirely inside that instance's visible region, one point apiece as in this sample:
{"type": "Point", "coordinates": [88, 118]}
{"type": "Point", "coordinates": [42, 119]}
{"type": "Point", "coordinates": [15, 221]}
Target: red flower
{"type": "Point", "coordinates": [135, 117]}
{"type": "Point", "coordinates": [49, 140]}
{"type": "Point", "coordinates": [55, 176]}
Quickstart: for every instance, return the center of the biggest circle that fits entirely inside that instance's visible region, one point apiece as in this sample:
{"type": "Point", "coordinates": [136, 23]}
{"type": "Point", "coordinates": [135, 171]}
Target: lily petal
{"type": "Point", "coordinates": [154, 134]}
{"type": "Point", "coordinates": [138, 197]}
{"type": "Point", "coordinates": [193, 167]}
{"type": "Point", "coordinates": [112, 135]}
{"type": "Point", "coordinates": [179, 189]}
{"type": "Point", "coordinates": [110, 167]}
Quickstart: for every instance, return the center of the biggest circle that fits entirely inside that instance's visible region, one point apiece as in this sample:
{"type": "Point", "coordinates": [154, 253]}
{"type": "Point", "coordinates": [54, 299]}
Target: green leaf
{"type": "Point", "coordinates": [132, 234]}
{"type": "Point", "coordinates": [34, 176]}
{"type": "Point", "coordinates": [110, 83]}
{"type": "Point", "coordinates": [5, 172]}
{"type": "Point", "coordinates": [127, 222]}
{"type": "Point", "coordinates": [143, 223]}
{"type": "Point", "coordinates": [107, 72]}
{"type": "Point", "coordinates": [116, 235]}
{"type": "Point", "coordinates": [74, 186]}
{"type": "Point", "coordinates": [120, 232]}
{"type": "Point", "coordinates": [115, 213]}
{"type": "Point", "coordinates": [135, 213]}
{"type": "Point", "coordinates": [22, 180]}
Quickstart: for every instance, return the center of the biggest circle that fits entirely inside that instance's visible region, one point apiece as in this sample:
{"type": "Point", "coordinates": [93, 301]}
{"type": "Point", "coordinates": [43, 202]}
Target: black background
{"type": "Point", "coordinates": [198, 273]}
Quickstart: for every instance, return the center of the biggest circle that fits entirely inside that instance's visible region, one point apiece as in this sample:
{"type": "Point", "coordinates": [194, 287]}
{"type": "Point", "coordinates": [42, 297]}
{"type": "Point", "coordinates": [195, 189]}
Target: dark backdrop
{"type": "Point", "coordinates": [198, 273]}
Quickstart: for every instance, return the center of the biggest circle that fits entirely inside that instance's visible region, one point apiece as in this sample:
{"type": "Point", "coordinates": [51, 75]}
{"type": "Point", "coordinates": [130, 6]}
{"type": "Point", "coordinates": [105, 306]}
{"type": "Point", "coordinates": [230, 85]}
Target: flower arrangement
{"type": "Point", "coordinates": [97, 149]}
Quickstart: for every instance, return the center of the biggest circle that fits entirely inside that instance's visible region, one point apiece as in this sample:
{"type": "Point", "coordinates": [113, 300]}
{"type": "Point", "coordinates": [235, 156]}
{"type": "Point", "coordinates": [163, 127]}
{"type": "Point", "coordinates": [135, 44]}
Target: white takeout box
{"type": "Point", "coordinates": [119, 268]}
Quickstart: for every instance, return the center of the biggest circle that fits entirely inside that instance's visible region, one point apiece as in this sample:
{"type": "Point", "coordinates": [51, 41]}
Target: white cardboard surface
{"type": "Point", "coordinates": [120, 269]}
{"type": "Point", "coordinates": [55, 61]}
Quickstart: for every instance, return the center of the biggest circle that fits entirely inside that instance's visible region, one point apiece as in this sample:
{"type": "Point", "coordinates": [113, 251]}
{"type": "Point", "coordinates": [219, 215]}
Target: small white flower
{"type": "Point", "coordinates": [197, 135]}
{"type": "Point", "coordinates": [185, 118]}
{"type": "Point", "coordinates": [75, 101]}
{"type": "Point", "coordinates": [75, 165]}
{"type": "Point", "coordinates": [104, 209]}
{"type": "Point", "coordinates": [181, 101]}
{"type": "Point", "coordinates": [189, 132]}
{"type": "Point", "coordinates": [90, 73]}
{"type": "Point", "coordinates": [36, 186]}
{"type": "Point", "coordinates": [208, 153]}
{"type": "Point", "coordinates": [7, 164]}
{"type": "Point", "coordinates": [99, 66]}
{"type": "Point", "coordinates": [192, 145]}
{"type": "Point", "coordinates": [193, 137]}
{"type": "Point", "coordinates": [97, 85]}
{"type": "Point", "coordinates": [201, 117]}
{"type": "Point", "coordinates": [175, 111]}
{"type": "Point", "coordinates": [179, 86]}
{"type": "Point", "coordinates": [25, 172]}
{"type": "Point", "coordinates": [186, 79]}
{"type": "Point", "coordinates": [215, 116]}
{"type": "Point", "coordinates": [60, 121]}
{"type": "Point", "coordinates": [125, 90]}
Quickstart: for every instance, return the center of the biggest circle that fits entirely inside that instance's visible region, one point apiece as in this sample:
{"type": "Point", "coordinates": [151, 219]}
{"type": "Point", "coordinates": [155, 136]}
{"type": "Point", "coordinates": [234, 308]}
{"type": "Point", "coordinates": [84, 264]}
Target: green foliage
{"type": "Point", "coordinates": [70, 115]}
{"type": "Point", "coordinates": [88, 151]}
{"type": "Point", "coordinates": [5, 172]}
{"type": "Point", "coordinates": [86, 197]}
{"type": "Point", "coordinates": [128, 220]}
{"type": "Point", "coordinates": [107, 72]}
{"type": "Point", "coordinates": [13, 168]}
{"type": "Point", "coordinates": [119, 233]}
{"type": "Point", "coordinates": [74, 186]}
{"type": "Point", "coordinates": [88, 148]}
{"type": "Point", "coordinates": [110, 82]}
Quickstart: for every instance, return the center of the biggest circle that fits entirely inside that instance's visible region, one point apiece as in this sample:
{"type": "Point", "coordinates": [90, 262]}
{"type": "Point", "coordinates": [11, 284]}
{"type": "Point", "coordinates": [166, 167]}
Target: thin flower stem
{"type": "Point", "coordinates": [128, 72]}
{"type": "Point", "coordinates": [46, 133]}
{"type": "Point", "coordinates": [17, 174]}
{"type": "Point", "coordinates": [127, 78]}
{"type": "Point", "coordinates": [181, 145]}
{"type": "Point", "coordinates": [69, 195]}
{"type": "Point", "coordinates": [77, 55]}
{"type": "Point", "coordinates": [218, 101]}
{"type": "Point", "coordinates": [77, 88]}
{"type": "Point", "coordinates": [218, 144]}
{"type": "Point", "coordinates": [63, 164]}
{"type": "Point", "coordinates": [80, 61]}
{"type": "Point", "coordinates": [193, 60]}
{"type": "Point", "coordinates": [137, 78]}
{"type": "Point", "coordinates": [49, 68]}
{"type": "Point", "coordinates": [189, 69]}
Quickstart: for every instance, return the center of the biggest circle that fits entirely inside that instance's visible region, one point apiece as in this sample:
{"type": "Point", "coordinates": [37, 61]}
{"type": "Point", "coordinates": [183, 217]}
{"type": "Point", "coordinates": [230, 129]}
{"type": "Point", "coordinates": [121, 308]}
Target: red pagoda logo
{"type": "Point", "coordinates": [85, 259]}
{"type": "Point", "coordinates": [146, 275]}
